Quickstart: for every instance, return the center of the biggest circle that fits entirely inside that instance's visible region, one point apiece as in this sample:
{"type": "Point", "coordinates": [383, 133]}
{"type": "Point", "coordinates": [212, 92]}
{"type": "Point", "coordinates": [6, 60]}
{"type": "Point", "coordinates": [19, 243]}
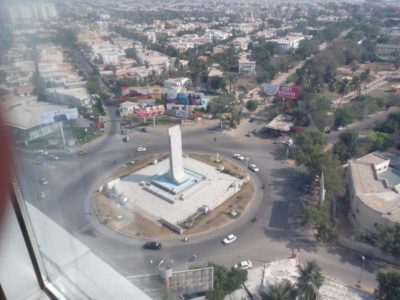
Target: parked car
{"type": "Point", "coordinates": [141, 149]}
{"type": "Point", "coordinates": [254, 168]}
{"type": "Point", "coordinates": [229, 239]}
{"type": "Point", "coordinates": [243, 265]}
{"type": "Point", "coordinates": [238, 156]}
{"type": "Point", "coordinates": [43, 152]}
{"type": "Point", "coordinates": [152, 246]}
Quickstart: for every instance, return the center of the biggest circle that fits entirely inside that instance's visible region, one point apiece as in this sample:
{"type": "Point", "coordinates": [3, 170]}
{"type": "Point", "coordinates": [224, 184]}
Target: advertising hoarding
{"type": "Point", "coordinates": [60, 115]}
{"type": "Point", "coordinates": [282, 91]}
{"type": "Point", "coordinates": [180, 113]}
{"type": "Point", "coordinates": [141, 92]}
{"type": "Point", "coordinates": [150, 111]}
{"type": "Point", "coordinates": [186, 98]}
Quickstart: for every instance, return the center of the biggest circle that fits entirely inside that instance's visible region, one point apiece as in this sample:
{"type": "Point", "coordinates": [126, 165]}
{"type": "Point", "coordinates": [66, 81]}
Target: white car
{"type": "Point", "coordinates": [43, 181]}
{"type": "Point", "coordinates": [238, 156]}
{"type": "Point", "coordinates": [243, 265]}
{"type": "Point", "coordinates": [141, 149]}
{"type": "Point", "coordinates": [53, 157]}
{"type": "Point", "coordinates": [340, 128]}
{"type": "Point", "coordinates": [229, 239]}
{"type": "Point", "coordinates": [42, 195]}
{"type": "Point", "coordinates": [44, 152]}
{"type": "Point", "coordinates": [254, 168]}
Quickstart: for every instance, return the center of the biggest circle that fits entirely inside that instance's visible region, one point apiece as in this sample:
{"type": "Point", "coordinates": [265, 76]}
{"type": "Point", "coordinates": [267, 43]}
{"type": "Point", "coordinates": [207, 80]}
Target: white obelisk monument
{"type": "Point", "coordinates": [176, 172]}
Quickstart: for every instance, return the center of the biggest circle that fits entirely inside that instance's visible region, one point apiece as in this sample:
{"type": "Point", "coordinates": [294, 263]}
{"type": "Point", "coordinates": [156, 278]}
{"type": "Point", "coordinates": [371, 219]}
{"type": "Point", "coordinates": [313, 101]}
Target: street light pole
{"type": "Point", "coordinates": [361, 271]}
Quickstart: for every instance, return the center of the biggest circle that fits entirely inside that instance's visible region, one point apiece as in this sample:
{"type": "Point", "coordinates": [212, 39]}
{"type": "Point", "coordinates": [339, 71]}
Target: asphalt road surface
{"type": "Point", "coordinates": [275, 235]}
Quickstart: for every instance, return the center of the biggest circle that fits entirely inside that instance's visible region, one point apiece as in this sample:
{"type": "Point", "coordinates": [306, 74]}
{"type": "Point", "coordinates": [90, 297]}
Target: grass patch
{"type": "Point", "coordinates": [165, 120]}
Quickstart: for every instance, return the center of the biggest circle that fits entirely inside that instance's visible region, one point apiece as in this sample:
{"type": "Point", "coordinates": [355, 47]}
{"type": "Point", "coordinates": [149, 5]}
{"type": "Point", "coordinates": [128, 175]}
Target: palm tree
{"type": "Point", "coordinates": [355, 84]}
{"type": "Point", "coordinates": [343, 88]}
{"type": "Point", "coordinates": [283, 290]}
{"type": "Point", "coordinates": [309, 281]}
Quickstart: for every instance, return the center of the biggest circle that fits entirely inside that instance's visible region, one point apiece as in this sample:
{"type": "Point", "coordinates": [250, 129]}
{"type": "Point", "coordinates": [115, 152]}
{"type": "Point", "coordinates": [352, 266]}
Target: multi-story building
{"type": "Point", "coordinates": [247, 66]}
{"type": "Point", "coordinates": [32, 11]}
{"type": "Point", "coordinates": [387, 49]}
{"type": "Point", "coordinates": [289, 42]}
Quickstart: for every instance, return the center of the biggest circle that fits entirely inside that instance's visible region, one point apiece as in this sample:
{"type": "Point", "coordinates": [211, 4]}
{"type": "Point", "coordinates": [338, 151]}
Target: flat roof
{"type": "Point", "coordinates": [78, 92]}
{"type": "Point", "coordinates": [26, 115]}
{"type": "Point", "coordinates": [280, 123]}
{"type": "Point", "coordinates": [376, 190]}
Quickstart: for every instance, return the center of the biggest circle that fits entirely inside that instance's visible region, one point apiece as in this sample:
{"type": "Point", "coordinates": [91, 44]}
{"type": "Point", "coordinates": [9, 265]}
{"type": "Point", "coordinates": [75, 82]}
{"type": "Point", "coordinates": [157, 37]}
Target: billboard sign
{"type": "Point", "coordinates": [150, 111]}
{"type": "Point", "coordinates": [60, 115]}
{"type": "Point", "coordinates": [180, 113]}
{"type": "Point", "coordinates": [186, 98]}
{"type": "Point", "coordinates": [282, 91]}
{"type": "Point", "coordinates": [141, 92]}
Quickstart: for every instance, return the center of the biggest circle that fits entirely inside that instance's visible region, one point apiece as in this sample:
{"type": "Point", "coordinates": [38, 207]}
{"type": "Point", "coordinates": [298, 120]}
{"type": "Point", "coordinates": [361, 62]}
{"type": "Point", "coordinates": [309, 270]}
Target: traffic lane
{"type": "Point", "coordinates": [342, 264]}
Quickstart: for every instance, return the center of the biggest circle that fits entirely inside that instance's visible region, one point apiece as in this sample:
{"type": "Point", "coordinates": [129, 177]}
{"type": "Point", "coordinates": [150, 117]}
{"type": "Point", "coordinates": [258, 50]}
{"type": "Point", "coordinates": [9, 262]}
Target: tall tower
{"type": "Point", "coordinates": [176, 171]}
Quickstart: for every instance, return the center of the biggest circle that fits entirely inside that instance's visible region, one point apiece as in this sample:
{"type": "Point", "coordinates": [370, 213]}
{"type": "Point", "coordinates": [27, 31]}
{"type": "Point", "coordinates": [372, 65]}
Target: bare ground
{"type": "Point", "coordinates": [132, 224]}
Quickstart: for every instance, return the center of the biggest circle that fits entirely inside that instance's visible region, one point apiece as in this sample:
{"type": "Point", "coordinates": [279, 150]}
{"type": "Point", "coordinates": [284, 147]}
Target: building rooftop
{"type": "Point", "coordinates": [377, 188]}
{"type": "Point", "coordinates": [78, 92]}
{"type": "Point", "coordinates": [26, 112]}
{"type": "Point", "coordinates": [281, 123]}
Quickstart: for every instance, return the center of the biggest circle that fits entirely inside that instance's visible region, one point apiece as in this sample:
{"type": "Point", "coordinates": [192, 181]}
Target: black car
{"type": "Point", "coordinates": [152, 245]}
{"type": "Point", "coordinates": [145, 129]}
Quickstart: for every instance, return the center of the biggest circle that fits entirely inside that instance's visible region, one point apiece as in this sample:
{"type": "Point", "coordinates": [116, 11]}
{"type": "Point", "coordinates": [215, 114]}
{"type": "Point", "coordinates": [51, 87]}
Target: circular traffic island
{"type": "Point", "coordinates": [142, 199]}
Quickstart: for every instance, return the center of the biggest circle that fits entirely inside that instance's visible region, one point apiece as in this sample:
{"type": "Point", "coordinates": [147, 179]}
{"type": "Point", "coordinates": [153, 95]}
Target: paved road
{"type": "Point", "coordinates": [367, 124]}
{"type": "Point", "coordinates": [73, 179]}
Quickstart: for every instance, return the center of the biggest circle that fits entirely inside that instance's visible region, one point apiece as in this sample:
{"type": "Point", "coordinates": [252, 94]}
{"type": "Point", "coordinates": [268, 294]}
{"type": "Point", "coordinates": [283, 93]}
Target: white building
{"type": "Point", "coordinates": [176, 83]}
{"type": "Point", "coordinates": [127, 108]}
{"type": "Point", "coordinates": [32, 11]}
{"type": "Point", "coordinates": [387, 49]}
{"type": "Point", "coordinates": [247, 66]}
{"type": "Point", "coordinates": [25, 118]}
{"type": "Point", "coordinates": [289, 42]}
{"type": "Point", "coordinates": [374, 191]}
{"type": "Point", "coordinates": [73, 97]}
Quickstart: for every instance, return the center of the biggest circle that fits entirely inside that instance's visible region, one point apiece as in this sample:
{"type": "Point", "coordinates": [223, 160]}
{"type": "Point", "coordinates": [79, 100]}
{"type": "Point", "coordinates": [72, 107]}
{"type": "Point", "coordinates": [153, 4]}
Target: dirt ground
{"type": "Point", "coordinates": [374, 67]}
{"type": "Point", "coordinates": [248, 82]}
{"type": "Point", "coordinates": [132, 224]}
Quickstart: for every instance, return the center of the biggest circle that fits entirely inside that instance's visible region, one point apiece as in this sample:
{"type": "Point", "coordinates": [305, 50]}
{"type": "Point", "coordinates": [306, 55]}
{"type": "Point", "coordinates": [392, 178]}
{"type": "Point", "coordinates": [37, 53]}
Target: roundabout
{"type": "Point", "coordinates": [275, 204]}
{"type": "Point", "coordinates": [127, 218]}
{"type": "Point", "coordinates": [178, 193]}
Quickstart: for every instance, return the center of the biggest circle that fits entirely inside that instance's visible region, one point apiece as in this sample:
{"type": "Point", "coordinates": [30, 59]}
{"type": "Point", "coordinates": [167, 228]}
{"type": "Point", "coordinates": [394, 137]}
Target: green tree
{"type": "Point", "coordinates": [217, 82]}
{"type": "Point", "coordinates": [319, 218]}
{"type": "Point", "coordinates": [344, 116]}
{"type": "Point", "coordinates": [226, 281]}
{"type": "Point", "coordinates": [318, 108]}
{"type": "Point", "coordinates": [387, 126]}
{"type": "Point", "coordinates": [343, 88]}
{"type": "Point", "coordinates": [378, 141]}
{"type": "Point", "coordinates": [66, 37]}
{"type": "Point", "coordinates": [252, 105]}
{"type": "Point", "coordinates": [388, 285]}
{"type": "Point", "coordinates": [283, 290]}
{"type": "Point", "coordinates": [389, 239]}
{"type": "Point", "coordinates": [131, 53]}
{"type": "Point", "coordinates": [309, 281]}
{"type": "Point", "coordinates": [347, 145]}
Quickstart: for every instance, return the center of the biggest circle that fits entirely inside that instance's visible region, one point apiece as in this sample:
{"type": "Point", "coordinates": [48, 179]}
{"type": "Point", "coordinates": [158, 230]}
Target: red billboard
{"type": "Point", "coordinates": [141, 92]}
{"type": "Point", "coordinates": [149, 111]}
{"type": "Point", "coordinates": [282, 91]}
